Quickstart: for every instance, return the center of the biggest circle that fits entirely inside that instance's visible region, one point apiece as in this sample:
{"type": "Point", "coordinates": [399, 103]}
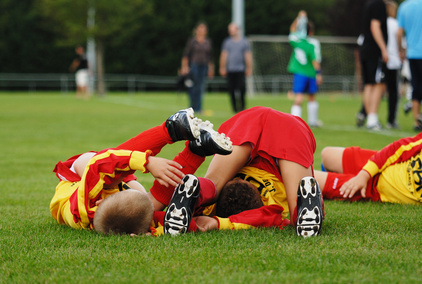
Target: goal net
{"type": "Point", "coordinates": [271, 54]}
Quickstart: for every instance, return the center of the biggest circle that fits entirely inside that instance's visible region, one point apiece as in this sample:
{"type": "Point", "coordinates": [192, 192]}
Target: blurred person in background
{"type": "Point", "coordinates": [197, 63]}
{"type": "Point", "coordinates": [373, 55]}
{"type": "Point", "coordinates": [236, 64]}
{"type": "Point", "coordinates": [410, 24]}
{"type": "Point", "coordinates": [80, 67]}
{"type": "Point", "coordinates": [392, 174]}
{"type": "Point", "coordinates": [392, 72]}
{"type": "Point", "coordinates": [305, 64]}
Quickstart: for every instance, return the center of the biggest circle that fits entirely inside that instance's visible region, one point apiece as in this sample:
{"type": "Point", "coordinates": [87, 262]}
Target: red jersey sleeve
{"type": "Point", "coordinates": [265, 216]}
{"type": "Point", "coordinates": [396, 152]}
{"type": "Point", "coordinates": [104, 168]}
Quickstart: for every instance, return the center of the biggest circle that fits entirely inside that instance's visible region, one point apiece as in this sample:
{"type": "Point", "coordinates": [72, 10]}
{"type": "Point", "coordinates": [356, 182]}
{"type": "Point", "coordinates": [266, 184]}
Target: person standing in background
{"type": "Point", "coordinates": [236, 64]}
{"type": "Point", "coordinates": [305, 64]}
{"type": "Point", "coordinates": [197, 63]}
{"type": "Point", "coordinates": [80, 67]}
{"type": "Point", "coordinates": [373, 56]}
{"type": "Point", "coordinates": [392, 72]}
{"type": "Point", "coordinates": [410, 24]}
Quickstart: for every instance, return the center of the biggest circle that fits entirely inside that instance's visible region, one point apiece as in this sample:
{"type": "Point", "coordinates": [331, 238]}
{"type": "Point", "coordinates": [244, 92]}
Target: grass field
{"type": "Point", "coordinates": [360, 242]}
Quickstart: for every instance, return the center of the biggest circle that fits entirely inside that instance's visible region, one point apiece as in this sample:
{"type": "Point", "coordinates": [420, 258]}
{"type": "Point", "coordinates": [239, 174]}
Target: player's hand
{"type": "Point", "coordinates": [355, 184]}
{"type": "Point", "coordinates": [319, 79]}
{"type": "Point", "coordinates": [166, 172]}
{"type": "Point", "coordinates": [384, 54]}
{"type": "Point", "coordinates": [206, 223]}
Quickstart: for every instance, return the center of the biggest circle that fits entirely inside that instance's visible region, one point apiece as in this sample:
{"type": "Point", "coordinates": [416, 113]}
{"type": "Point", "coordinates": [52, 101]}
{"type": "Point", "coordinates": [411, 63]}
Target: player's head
{"type": "Point", "coordinates": [126, 212]}
{"type": "Point", "coordinates": [237, 196]}
{"type": "Point", "coordinates": [79, 49]}
{"type": "Point", "coordinates": [233, 29]}
{"type": "Point", "coordinates": [391, 8]}
{"type": "Point", "coordinates": [201, 29]}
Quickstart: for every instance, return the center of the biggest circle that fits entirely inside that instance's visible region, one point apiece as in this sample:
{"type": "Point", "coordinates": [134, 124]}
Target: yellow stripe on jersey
{"type": "Point", "coordinates": [372, 168]}
{"type": "Point", "coordinates": [270, 187]}
{"type": "Point", "coordinates": [226, 224]}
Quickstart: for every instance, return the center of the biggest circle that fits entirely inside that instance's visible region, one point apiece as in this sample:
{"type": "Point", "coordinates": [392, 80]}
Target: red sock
{"type": "Point", "coordinates": [153, 139]}
{"type": "Point", "coordinates": [208, 192]}
{"type": "Point", "coordinates": [190, 163]}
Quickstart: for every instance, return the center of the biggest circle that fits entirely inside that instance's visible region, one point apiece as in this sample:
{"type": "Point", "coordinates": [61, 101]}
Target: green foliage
{"type": "Point", "coordinates": [360, 242]}
{"type": "Point", "coordinates": [145, 36]}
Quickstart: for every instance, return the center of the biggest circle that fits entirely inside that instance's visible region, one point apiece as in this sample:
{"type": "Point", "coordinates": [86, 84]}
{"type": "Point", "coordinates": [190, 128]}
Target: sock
{"type": "Point", "coordinates": [208, 192]}
{"type": "Point", "coordinates": [372, 119]}
{"type": "Point", "coordinates": [313, 112]}
{"type": "Point", "coordinates": [153, 139]}
{"type": "Point", "coordinates": [296, 110]}
{"type": "Point", "coordinates": [190, 163]}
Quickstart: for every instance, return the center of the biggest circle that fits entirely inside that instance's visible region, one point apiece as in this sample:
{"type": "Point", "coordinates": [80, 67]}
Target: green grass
{"type": "Point", "coordinates": [360, 242]}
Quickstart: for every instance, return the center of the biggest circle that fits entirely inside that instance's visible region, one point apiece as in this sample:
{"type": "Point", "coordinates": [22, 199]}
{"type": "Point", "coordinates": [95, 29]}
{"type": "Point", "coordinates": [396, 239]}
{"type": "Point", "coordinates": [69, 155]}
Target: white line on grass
{"type": "Point", "coordinates": [152, 106]}
{"type": "Point", "coordinates": [165, 107]}
{"type": "Point", "coordinates": [352, 128]}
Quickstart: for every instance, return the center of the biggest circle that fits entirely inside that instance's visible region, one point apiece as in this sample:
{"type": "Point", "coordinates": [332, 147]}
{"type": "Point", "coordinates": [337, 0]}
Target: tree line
{"type": "Point", "coordinates": [146, 36]}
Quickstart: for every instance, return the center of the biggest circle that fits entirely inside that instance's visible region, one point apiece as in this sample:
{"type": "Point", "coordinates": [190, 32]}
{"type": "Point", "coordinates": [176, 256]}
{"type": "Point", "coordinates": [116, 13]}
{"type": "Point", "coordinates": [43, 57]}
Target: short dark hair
{"type": "Point", "coordinates": [237, 196]}
{"type": "Point", "coordinates": [125, 212]}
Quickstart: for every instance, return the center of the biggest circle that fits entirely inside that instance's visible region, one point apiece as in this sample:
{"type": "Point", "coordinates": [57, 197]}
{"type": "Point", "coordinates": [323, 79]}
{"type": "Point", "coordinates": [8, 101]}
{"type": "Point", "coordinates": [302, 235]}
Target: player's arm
{"type": "Point", "coordinates": [355, 184]}
{"type": "Point", "coordinates": [317, 67]}
{"type": "Point", "coordinates": [265, 216]}
{"type": "Point", "coordinates": [248, 62]}
{"type": "Point", "coordinates": [402, 50]}
{"type": "Point", "coordinates": [293, 26]}
{"type": "Point", "coordinates": [223, 61]}
{"type": "Point", "coordinates": [379, 39]}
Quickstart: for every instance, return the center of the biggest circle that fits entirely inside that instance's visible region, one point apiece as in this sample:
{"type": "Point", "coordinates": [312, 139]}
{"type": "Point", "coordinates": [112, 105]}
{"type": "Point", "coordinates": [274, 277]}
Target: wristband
{"type": "Point", "coordinates": [318, 71]}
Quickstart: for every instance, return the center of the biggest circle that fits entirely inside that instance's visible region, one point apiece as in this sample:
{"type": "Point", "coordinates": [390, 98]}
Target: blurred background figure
{"type": "Point", "coordinates": [236, 64]}
{"type": "Point", "coordinates": [197, 63]}
{"type": "Point", "coordinates": [392, 72]}
{"type": "Point", "coordinates": [410, 24]}
{"type": "Point", "coordinates": [80, 67]}
{"type": "Point", "coordinates": [305, 64]}
{"type": "Point", "coordinates": [373, 56]}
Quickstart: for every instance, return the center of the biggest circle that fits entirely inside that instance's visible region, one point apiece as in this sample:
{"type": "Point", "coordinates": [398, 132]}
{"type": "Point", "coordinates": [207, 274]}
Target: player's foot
{"type": "Point", "coordinates": [310, 208]}
{"type": "Point", "coordinates": [179, 211]}
{"type": "Point", "coordinates": [210, 142]}
{"type": "Point", "coordinates": [407, 107]}
{"type": "Point", "coordinates": [393, 125]}
{"type": "Point", "coordinates": [375, 127]}
{"type": "Point", "coordinates": [360, 119]}
{"type": "Point", "coordinates": [316, 124]}
{"type": "Point", "coordinates": [183, 125]}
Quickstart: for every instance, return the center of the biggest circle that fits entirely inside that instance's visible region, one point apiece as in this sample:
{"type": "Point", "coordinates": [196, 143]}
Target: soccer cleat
{"type": "Point", "coordinates": [360, 119]}
{"type": "Point", "coordinates": [179, 211]}
{"type": "Point", "coordinates": [210, 142]}
{"type": "Point", "coordinates": [310, 208]}
{"type": "Point", "coordinates": [407, 107]}
{"type": "Point", "coordinates": [183, 125]}
{"type": "Point", "coordinates": [375, 127]}
{"type": "Point", "coordinates": [419, 121]}
{"type": "Point", "coordinates": [316, 124]}
{"type": "Point", "coordinates": [393, 125]}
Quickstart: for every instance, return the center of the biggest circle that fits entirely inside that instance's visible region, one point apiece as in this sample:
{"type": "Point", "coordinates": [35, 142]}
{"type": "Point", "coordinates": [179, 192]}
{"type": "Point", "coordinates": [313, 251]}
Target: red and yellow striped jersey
{"type": "Point", "coordinates": [399, 166]}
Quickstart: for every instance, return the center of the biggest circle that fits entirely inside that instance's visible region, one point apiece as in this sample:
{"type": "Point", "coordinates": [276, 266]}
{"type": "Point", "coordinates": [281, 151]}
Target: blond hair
{"type": "Point", "coordinates": [126, 212]}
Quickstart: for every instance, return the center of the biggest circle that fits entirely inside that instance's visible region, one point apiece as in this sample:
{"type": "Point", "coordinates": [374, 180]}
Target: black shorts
{"type": "Point", "coordinates": [373, 71]}
{"type": "Point", "coordinates": [416, 74]}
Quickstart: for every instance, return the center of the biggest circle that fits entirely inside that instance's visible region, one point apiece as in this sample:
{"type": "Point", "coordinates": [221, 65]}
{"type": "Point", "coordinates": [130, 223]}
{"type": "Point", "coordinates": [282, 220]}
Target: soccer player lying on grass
{"type": "Point", "coordinates": [393, 174]}
{"type": "Point", "coordinates": [88, 179]}
{"type": "Point", "coordinates": [272, 150]}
